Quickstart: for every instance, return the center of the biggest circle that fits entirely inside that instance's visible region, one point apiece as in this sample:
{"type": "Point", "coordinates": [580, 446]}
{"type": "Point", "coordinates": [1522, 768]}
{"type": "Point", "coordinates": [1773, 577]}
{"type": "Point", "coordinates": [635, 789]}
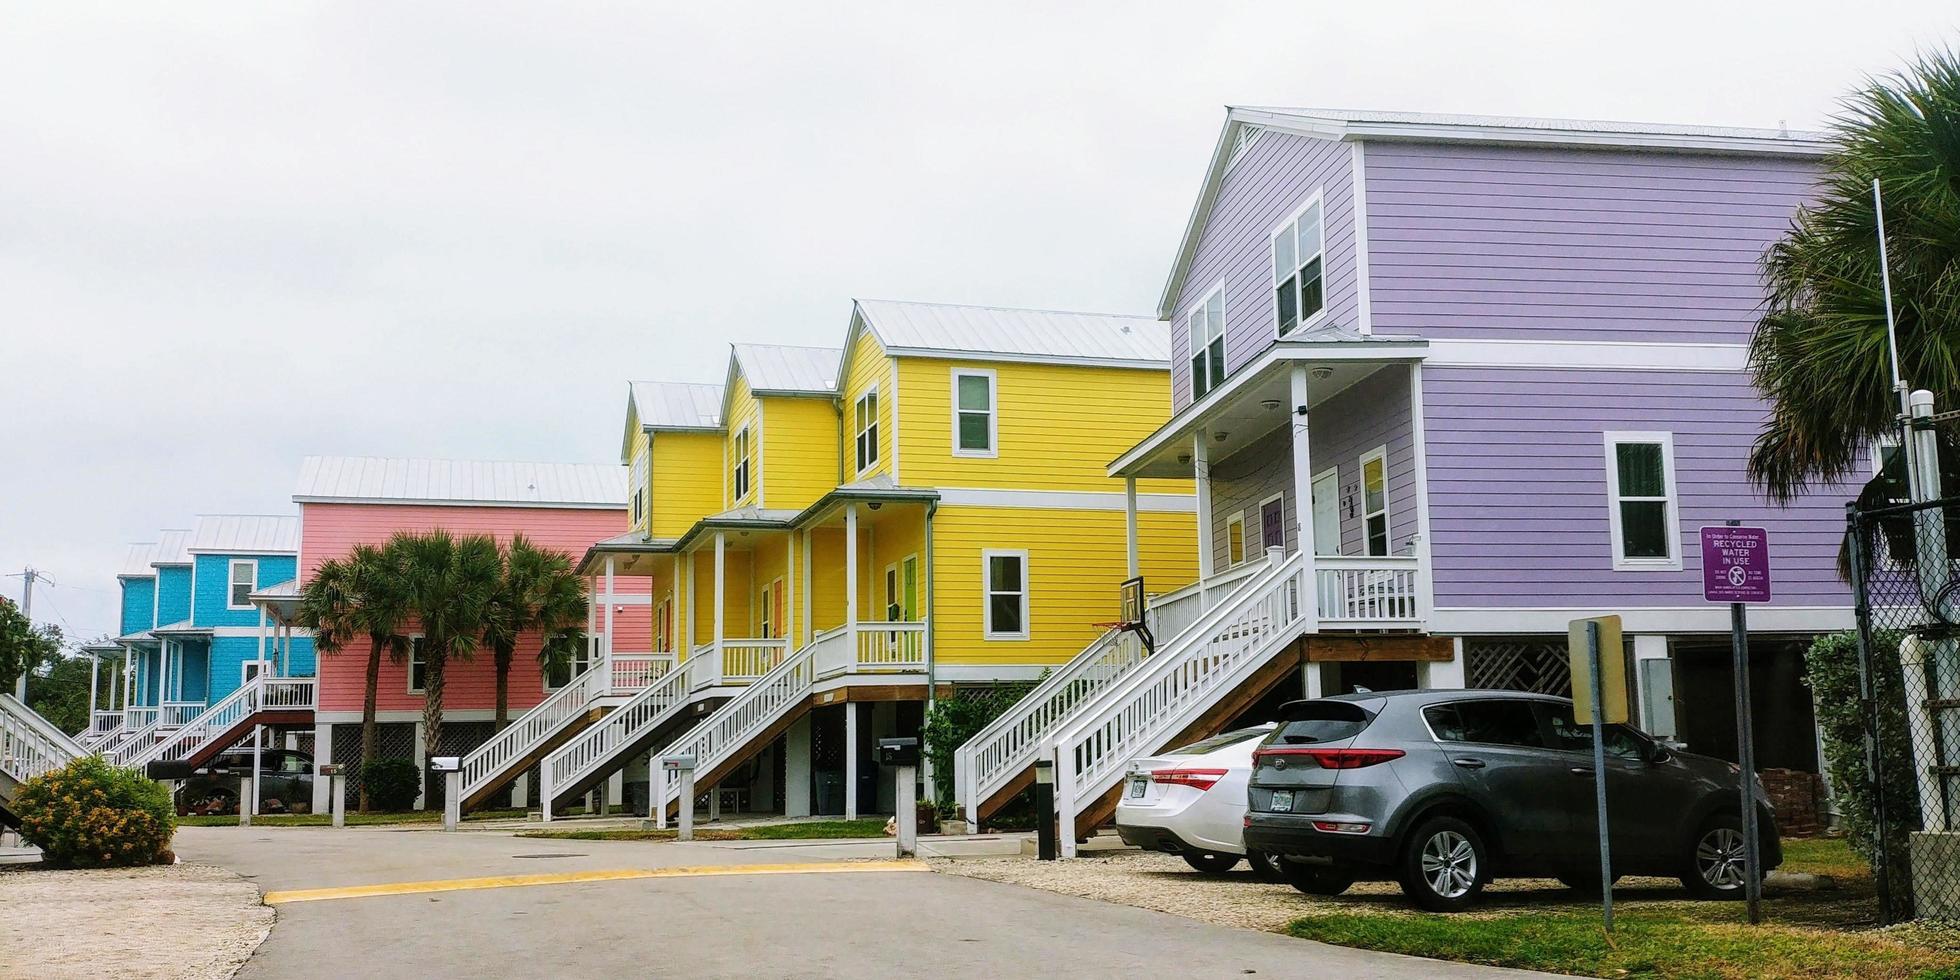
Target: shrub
{"type": "Point", "coordinates": [954, 720]}
{"type": "Point", "coordinates": [90, 814]}
{"type": "Point", "coordinates": [1831, 669]}
{"type": "Point", "coordinates": [392, 784]}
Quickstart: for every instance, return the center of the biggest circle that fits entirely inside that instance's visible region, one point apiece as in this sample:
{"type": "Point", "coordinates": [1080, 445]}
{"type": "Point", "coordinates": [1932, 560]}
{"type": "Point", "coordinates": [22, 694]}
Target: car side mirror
{"type": "Point", "coordinates": [1658, 754]}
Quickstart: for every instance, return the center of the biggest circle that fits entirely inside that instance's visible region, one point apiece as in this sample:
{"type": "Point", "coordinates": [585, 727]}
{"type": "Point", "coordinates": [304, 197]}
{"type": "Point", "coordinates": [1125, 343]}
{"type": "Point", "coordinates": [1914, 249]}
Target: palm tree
{"type": "Point", "coordinates": [537, 591]}
{"type": "Point", "coordinates": [451, 582]}
{"type": "Point", "coordinates": [1819, 350]}
{"type": "Point", "coordinates": [362, 594]}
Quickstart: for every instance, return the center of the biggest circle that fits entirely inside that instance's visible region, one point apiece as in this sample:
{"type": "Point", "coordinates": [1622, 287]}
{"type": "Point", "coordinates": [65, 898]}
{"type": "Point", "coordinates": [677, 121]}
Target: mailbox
{"type": "Point", "coordinates": [677, 763]}
{"type": "Point", "coordinates": [898, 751]}
{"type": "Point", "coordinates": [329, 769]}
{"type": "Point", "coordinates": [446, 763]}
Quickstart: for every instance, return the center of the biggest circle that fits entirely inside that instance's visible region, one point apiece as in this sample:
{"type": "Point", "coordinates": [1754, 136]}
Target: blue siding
{"type": "Point", "coordinates": [227, 653]}
{"type": "Point", "coordinates": [303, 662]}
{"type": "Point", "coordinates": [174, 597]}
{"type": "Point", "coordinates": [138, 604]}
{"type": "Point", "coordinates": [196, 667]}
{"type": "Point", "coordinates": [214, 586]}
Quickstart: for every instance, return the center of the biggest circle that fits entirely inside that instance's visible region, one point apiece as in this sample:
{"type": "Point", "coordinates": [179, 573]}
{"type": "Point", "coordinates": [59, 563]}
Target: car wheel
{"type": "Point", "coordinates": [1264, 866]}
{"type": "Point", "coordinates": [1211, 864]}
{"type": "Point", "coordinates": [1316, 879]}
{"type": "Point", "coordinates": [1444, 865]}
{"type": "Point", "coordinates": [1715, 860]}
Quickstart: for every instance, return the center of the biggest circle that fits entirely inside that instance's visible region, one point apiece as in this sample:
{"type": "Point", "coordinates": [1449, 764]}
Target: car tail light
{"type": "Point", "coordinates": [1199, 779]}
{"type": "Point", "coordinates": [1339, 827]}
{"type": "Point", "coordinates": [1333, 758]}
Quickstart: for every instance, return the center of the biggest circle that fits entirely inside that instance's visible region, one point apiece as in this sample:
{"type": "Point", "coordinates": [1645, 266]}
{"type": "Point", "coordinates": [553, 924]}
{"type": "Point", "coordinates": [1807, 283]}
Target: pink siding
{"type": "Point", "coordinates": [331, 530]}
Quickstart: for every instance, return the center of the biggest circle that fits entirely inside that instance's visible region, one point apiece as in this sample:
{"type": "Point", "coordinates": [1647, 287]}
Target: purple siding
{"type": "Point", "coordinates": [1270, 181]}
{"type": "Point", "coordinates": [1517, 487]}
{"type": "Point", "coordinates": [1373, 412]}
{"type": "Point", "coordinates": [1560, 243]}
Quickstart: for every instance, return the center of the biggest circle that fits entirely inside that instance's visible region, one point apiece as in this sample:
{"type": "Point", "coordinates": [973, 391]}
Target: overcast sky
{"type": "Point", "coordinates": [231, 236]}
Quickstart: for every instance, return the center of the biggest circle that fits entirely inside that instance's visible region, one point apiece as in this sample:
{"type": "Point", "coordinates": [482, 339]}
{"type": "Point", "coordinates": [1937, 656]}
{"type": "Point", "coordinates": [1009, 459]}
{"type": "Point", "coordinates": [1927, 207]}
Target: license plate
{"type": "Point", "coordinates": [1138, 786]}
{"type": "Point", "coordinates": [1282, 801]}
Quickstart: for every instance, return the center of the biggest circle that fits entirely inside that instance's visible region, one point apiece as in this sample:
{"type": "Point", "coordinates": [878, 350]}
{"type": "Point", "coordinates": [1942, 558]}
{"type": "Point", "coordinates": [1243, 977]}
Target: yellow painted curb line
{"type": "Point", "coordinates": [573, 877]}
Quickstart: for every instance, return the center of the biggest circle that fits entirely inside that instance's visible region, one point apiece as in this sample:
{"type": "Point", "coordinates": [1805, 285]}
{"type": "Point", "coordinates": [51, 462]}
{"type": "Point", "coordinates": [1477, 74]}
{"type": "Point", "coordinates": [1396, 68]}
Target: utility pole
{"type": "Point", "coordinates": [27, 610]}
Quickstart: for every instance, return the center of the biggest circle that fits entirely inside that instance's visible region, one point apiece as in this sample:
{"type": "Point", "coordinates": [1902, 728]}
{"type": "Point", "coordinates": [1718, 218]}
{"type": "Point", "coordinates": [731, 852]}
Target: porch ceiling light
{"type": "Point", "coordinates": [1183, 458]}
{"type": "Point", "coordinates": [1321, 373]}
{"type": "Point", "coordinates": [1221, 435]}
{"type": "Point", "coordinates": [1271, 404]}
{"type": "Point", "coordinates": [877, 504]}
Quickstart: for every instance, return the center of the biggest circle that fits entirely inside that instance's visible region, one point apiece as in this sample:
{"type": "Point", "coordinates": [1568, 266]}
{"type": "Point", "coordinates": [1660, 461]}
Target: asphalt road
{"type": "Point", "coordinates": [875, 924]}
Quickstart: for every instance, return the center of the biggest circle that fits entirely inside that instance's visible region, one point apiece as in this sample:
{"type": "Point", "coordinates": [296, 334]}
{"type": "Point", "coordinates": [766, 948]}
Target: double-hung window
{"type": "Point", "coordinates": [1297, 248]}
{"type": "Point", "coordinates": [243, 573]}
{"type": "Point", "coordinates": [418, 665]}
{"type": "Point", "coordinates": [1644, 508]}
{"type": "Point", "coordinates": [1374, 500]}
{"type": "Point", "coordinates": [865, 424]}
{"type": "Point", "coordinates": [739, 479]}
{"type": "Point", "coordinates": [1235, 539]}
{"type": "Point", "coordinates": [974, 427]}
{"type": "Point", "coordinates": [1006, 594]}
{"type": "Point", "coordinates": [1206, 323]}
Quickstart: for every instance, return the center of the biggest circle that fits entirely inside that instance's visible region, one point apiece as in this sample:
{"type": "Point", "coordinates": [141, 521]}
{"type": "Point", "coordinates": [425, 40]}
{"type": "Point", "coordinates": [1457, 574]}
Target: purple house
{"type": "Point", "coordinates": [1478, 377]}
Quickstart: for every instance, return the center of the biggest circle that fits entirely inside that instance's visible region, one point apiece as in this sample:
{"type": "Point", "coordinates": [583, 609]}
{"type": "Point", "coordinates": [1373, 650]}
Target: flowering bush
{"type": "Point", "coordinates": [89, 814]}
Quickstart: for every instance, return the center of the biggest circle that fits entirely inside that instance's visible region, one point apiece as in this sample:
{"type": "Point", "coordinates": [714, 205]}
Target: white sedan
{"type": "Point", "coordinates": [1190, 801]}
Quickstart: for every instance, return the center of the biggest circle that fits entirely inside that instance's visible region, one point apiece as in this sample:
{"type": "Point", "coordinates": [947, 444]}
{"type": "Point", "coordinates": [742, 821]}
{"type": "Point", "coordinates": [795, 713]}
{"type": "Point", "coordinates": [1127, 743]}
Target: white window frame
{"type": "Point", "coordinates": [415, 641]}
{"type": "Point", "coordinates": [1235, 521]}
{"type": "Point", "coordinates": [663, 624]}
{"type": "Point", "coordinates": [1387, 512]}
{"type": "Point", "coordinates": [859, 428]}
{"type": "Point", "coordinates": [987, 593]}
{"type": "Point", "coordinates": [1213, 331]}
{"type": "Point", "coordinates": [993, 413]}
{"type": "Point", "coordinates": [1291, 226]}
{"type": "Point", "coordinates": [1259, 516]}
{"type": "Point", "coordinates": [245, 670]}
{"type": "Point", "coordinates": [1671, 563]}
{"type": "Point", "coordinates": [741, 474]}
{"type": "Point", "coordinates": [231, 582]}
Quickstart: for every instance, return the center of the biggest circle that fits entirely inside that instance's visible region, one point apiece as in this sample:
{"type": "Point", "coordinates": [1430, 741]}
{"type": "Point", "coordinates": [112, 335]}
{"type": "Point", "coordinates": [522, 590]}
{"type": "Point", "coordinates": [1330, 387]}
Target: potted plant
{"type": "Point", "coordinates": [952, 822]}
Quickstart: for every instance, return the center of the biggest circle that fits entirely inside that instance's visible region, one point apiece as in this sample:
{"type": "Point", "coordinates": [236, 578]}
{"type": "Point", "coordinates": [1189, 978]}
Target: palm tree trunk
{"type": "Point", "coordinates": [370, 746]}
{"type": "Point", "coordinates": [432, 678]}
{"type": "Point", "coordinates": [504, 656]}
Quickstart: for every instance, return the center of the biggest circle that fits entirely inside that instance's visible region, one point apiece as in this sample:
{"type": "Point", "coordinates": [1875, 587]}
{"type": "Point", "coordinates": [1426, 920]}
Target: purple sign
{"type": "Point", "coordinates": [1735, 564]}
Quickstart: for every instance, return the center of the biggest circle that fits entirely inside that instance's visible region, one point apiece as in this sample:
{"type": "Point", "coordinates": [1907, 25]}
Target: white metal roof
{"type": "Point", "coordinates": [245, 534]}
{"type": "Point", "coordinates": [460, 482]}
{"type": "Point", "coordinates": [676, 404]}
{"type": "Point", "coordinates": [1357, 123]}
{"type": "Point", "coordinates": [136, 561]}
{"type": "Point", "coordinates": [173, 548]}
{"type": "Point", "coordinates": [1010, 334]}
{"type": "Point", "coordinates": [771, 367]}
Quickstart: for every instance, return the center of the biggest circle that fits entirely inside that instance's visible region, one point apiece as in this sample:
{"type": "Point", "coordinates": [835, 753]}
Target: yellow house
{"type": "Point", "coordinates": [837, 536]}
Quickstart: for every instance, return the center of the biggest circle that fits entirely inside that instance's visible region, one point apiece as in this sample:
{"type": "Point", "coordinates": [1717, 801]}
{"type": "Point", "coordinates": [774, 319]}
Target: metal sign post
{"type": "Point", "coordinates": [1600, 689]}
{"type": "Point", "coordinates": [1599, 776]}
{"type": "Point", "coordinates": [1735, 570]}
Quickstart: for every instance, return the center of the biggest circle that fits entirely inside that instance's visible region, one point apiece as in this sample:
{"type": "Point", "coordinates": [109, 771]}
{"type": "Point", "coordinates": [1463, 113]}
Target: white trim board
{"type": "Point", "coordinates": [1364, 312]}
{"type": "Point", "coordinates": [1147, 503]}
{"type": "Point", "coordinates": [1639, 356]}
{"type": "Point", "coordinates": [1709, 618]}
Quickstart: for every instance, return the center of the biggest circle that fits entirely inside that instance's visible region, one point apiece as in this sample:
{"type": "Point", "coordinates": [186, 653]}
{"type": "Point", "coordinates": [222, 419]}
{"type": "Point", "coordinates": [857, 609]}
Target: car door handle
{"type": "Point", "coordinates": [1467, 763]}
{"type": "Point", "coordinates": [1582, 770]}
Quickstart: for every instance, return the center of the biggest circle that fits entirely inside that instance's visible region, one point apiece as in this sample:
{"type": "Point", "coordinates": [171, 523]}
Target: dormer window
{"type": "Point", "coordinates": [1297, 248]}
{"type": "Point", "coordinates": [243, 573]}
{"type": "Point", "coordinates": [1206, 323]}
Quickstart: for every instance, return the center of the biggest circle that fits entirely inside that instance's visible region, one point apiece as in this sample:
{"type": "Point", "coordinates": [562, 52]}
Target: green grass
{"type": "Point", "coordinates": [807, 830]}
{"type": "Point", "coordinates": [1823, 856]}
{"type": "Point", "coordinates": [353, 819]}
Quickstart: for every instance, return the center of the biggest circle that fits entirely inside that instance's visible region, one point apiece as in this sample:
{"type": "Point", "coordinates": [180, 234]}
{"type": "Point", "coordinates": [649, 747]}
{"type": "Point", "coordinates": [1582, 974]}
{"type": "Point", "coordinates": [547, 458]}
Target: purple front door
{"type": "Point", "coordinates": [1272, 533]}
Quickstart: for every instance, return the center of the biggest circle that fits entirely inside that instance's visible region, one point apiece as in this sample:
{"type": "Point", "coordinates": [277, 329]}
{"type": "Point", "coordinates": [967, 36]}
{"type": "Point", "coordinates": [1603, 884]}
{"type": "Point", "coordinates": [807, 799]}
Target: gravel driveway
{"type": "Point", "coordinates": [181, 922]}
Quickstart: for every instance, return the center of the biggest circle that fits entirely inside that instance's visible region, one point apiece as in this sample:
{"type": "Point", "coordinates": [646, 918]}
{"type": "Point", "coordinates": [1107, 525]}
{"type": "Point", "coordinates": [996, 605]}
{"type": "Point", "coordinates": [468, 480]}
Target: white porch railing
{"type": "Point", "coordinates": [996, 754]}
{"type": "Point", "coordinates": [177, 713]}
{"type": "Point", "coordinates": [722, 734]}
{"type": "Point", "coordinates": [104, 722]}
{"type": "Point", "coordinates": [633, 671]}
{"type": "Point", "coordinates": [734, 662]}
{"type": "Point", "coordinates": [531, 729]}
{"type": "Point", "coordinates": [261, 693]}
{"type": "Point", "coordinates": [1151, 704]}
{"type": "Point", "coordinates": [139, 718]}
{"type": "Point", "coordinates": [29, 746]}
{"type": "Point", "coordinates": [598, 745]}
{"type": "Point", "coordinates": [1356, 591]}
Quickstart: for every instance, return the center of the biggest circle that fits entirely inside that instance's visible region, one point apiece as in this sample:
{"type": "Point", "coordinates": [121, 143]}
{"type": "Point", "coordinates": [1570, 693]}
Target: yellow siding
{"type": "Point", "coordinates": [827, 578]}
{"type": "Point", "coordinates": [771, 563]}
{"type": "Point", "coordinates": [892, 540]}
{"type": "Point", "coordinates": [1058, 426]}
{"type": "Point", "coordinates": [743, 410]}
{"type": "Point", "coordinates": [687, 483]}
{"type": "Point", "coordinates": [1076, 562]}
{"type": "Point", "coordinates": [639, 479]}
{"type": "Point", "coordinates": [865, 367]}
{"type": "Point", "coordinates": [799, 455]}
{"type": "Point", "coordinates": [661, 587]}
{"type": "Point", "coordinates": [739, 587]}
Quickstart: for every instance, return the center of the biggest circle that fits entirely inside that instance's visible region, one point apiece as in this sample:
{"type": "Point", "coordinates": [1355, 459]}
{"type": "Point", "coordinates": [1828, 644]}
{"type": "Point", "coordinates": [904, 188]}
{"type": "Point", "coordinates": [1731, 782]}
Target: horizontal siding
{"type": "Point", "coordinates": [213, 581]}
{"type": "Point", "coordinates": [139, 596]}
{"type": "Point", "coordinates": [687, 481]}
{"type": "Point", "coordinates": [799, 451]}
{"type": "Point", "coordinates": [742, 411]}
{"type": "Point", "coordinates": [173, 594]}
{"type": "Point", "coordinates": [331, 530]}
{"type": "Point", "coordinates": [866, 366]}
{"type": "Point", "coordinates": [1274, 177]}
{"type": "Point", "coordinates": [1058, 426]}
{"type": "Point", "coordinates": [1518, 498]}
{"type": "Point", "coordinates": [1521, 243]}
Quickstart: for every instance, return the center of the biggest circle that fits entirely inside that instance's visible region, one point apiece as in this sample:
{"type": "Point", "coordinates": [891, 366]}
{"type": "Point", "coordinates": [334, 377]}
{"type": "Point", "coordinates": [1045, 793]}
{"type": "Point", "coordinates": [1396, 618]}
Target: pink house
{"type": "Point", "coordinates": [346, 501]}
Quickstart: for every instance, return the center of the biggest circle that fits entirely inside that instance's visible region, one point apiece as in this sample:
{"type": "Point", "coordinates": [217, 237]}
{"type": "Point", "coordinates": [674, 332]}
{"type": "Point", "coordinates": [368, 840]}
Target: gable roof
{"type": "Point", "coordinates": [136, 561]}
{"type": "Point", "coordinates": [778, 369]}
{"type": "Point", "coordinates": [672, 405]}
{"type": "Point", "coordinates": [1358, 125]}
{"type": "Point", "coordinates": [460, 482]}
{"type": "Point", "coordinates": [246, 534]}
{"type": "Point", "coordinates": [999, 333]}
{"type": "Point", "coordinates": [173, 548]}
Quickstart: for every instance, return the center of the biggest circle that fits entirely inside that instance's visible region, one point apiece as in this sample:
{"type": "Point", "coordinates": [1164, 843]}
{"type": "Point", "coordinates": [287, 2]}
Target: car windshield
{"type": "Point", "coordinates": [1217, 742]}
{"type": "Point", "coordinates": [1308, 722]}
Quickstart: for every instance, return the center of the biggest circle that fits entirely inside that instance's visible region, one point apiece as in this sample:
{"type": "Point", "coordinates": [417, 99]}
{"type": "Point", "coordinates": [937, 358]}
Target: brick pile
{"type": "Point", "coordinates": [1799, 801]}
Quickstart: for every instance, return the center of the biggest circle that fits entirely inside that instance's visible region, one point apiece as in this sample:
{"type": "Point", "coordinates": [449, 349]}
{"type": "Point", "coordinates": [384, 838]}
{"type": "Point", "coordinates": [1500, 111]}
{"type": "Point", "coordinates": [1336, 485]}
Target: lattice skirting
{"type": "Point", "coordinates": [1527, 663]}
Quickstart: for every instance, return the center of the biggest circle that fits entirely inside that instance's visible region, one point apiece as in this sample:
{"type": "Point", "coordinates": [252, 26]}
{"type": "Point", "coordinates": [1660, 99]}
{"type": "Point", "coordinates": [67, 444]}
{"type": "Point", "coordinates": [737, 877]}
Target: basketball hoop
{"type": "Point", "coordinates": [1132, 603]}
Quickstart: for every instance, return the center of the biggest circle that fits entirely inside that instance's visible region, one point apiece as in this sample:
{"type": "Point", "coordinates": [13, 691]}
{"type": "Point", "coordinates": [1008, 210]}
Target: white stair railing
{"type": "Point", "coordinates": [529, 730]}
{"type": "Point", "coordinates": [261, 693]}
{"type": "Point", "coordinates": [1368, 591]}
{"type": "Point", "coordinates": [1007, 746]}
{"type": "Point", "coordinates": [745, 716]}
{"type": "Point", "coordinates": [132, 742]}
{"type": "Point", "coordinates": [599, 745]}
{"type": "Point", "coordinates": [29, 746]}
{"type": "Point", "coordinates": [1152, 704]}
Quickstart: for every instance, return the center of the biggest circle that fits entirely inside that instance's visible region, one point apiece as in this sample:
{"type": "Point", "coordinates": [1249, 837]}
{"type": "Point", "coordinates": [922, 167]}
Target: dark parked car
{"type": "Point", "coordinates": [285, 783]}
{"type": "Point", "coordinates": [1443, 791]}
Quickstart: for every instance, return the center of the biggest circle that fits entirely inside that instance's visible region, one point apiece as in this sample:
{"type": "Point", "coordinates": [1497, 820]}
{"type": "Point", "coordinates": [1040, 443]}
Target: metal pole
{"type": "Point", "coordinates": [27, 611]}
{"type": "Point", "coordinates": [1746, 758]}
{"type": "Point", "coordinates": [1599, 774]}
{"type": "Point", "coordinates": [905, 795]}
{"type": "Point", "coordinates": [1891, 333]}
{"type": "Point", "coordinates": [1044, 810]}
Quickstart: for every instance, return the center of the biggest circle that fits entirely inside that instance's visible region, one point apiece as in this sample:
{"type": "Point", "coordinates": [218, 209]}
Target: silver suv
{"type": "Point", "coordinates": [1443, 791]}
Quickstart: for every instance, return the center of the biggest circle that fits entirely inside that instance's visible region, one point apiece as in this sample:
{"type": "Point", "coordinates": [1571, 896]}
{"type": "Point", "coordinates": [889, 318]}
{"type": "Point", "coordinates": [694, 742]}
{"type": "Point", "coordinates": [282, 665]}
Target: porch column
{"type": "Point", "coordinates": [1201, 476]}
{"type": "Point", "coordinates": [322, 755]}
{"type": "Point", "coordinates": [265, 626]}
{"type": "Point", "coordinates": [789, 595]}
{"type": "Point", "coordinates": [1450, 674]}
{"type": "Point", "coordinates": [606, 650]}
{"type": "Point", "coordinates": [851, 756]}
{"type": "Point", "coordinates": [851, 598]}
{"type": "Point", "coordinates": [688, 561]}
{"type": "Point", "coordinates": [721, 548]}
{"type": "Point", "coordinates": [1130, 521]}
{"type": "Point", "coordinates": [808, 602]}
{"type": "Point", "coordinates": [678, 621]}
{"type": "Point", "coordinates": [1303, 501]}
{"type": "Point", "coordinates": [94, 665]}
